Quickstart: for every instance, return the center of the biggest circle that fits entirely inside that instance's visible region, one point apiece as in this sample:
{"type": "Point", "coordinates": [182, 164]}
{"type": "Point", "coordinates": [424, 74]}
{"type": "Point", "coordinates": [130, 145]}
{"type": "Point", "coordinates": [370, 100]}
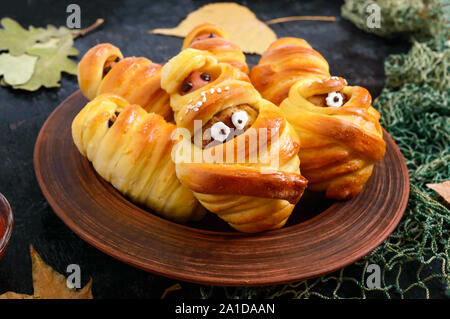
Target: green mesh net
{"type": "Point", "coordinates": [415, 259]}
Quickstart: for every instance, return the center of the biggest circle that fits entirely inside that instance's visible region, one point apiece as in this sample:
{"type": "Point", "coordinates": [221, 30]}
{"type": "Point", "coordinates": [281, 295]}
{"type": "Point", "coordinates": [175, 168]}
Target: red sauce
{"type": "Point", "coordinates": [2, 227]}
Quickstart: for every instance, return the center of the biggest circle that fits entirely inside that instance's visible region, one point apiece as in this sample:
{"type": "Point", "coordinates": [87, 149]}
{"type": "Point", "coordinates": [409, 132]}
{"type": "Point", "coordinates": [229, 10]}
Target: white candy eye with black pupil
{"type": "Point", "coordinates": [334, 99]}
{"type": "Point", "coordinates": [239, 119]}
{"type": "Point", "coordinates": [219, 131]}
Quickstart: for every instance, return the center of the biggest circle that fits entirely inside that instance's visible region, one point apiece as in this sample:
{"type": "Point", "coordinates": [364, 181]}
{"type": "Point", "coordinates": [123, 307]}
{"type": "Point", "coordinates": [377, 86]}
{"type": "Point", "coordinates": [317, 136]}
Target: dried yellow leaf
{"type": "Point", "coordinates": [16, 70]}
{"type": "Point", "coordinates": [241, 24]}
{"type": "Point", "coordinates": [442, 189]}
{"type": "Point", "coordinates": [49, 284]}
{"type": "Point", "coordinates": [13, 295]}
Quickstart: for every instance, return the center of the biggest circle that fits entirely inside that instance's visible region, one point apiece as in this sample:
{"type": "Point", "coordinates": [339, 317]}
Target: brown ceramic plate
{"type": "Point", "coordinates": [320, 237]}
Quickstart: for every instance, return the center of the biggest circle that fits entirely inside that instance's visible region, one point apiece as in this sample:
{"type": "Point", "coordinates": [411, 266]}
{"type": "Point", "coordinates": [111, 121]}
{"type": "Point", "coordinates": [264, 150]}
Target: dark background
{"type": "Point", "coordinates": [351, 53]}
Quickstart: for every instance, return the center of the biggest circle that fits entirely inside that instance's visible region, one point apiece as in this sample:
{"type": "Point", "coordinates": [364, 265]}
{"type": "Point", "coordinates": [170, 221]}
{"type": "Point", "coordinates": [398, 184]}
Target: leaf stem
{"type": "Point", "coordinates": [174, 287]}
{"type": "Point", "coordinates": [82, 32]}
{"type": "Point", "coordinates": [301, 18]}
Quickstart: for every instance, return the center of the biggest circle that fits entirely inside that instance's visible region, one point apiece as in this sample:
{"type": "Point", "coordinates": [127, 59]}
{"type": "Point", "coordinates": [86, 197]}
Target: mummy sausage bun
{"type": "Point", "coordinates": [103, 69]}
{"type": "Point", "coordinates": [214, 39]}
{"type": "Point", "coordinates": [339, 129]}
{"type": "Point", "coordinates": [248, 173]}
{"type": "Point", "coordinates": [131, 149]}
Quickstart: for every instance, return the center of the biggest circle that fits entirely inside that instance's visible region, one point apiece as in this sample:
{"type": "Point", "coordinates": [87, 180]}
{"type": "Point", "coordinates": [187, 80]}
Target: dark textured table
{"type": "Point", "coordinates": [351, 53]}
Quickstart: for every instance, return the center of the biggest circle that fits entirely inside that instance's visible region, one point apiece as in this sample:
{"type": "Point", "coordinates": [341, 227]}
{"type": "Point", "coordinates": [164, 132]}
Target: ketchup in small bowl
{"type": "Point", "coordinates": [6, 223]}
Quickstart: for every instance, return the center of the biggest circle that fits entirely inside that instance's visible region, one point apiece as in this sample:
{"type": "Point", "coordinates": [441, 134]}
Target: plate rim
{"type": "Point", "coordinates": [71, 224]}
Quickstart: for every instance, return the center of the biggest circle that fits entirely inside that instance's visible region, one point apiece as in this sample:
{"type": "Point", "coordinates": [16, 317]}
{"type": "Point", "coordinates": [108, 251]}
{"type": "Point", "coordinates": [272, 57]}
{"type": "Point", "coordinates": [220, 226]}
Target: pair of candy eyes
{"type": "Point", "coordinates": [187, 86]}
{"type": "Point", "coordinates": [220, 131]}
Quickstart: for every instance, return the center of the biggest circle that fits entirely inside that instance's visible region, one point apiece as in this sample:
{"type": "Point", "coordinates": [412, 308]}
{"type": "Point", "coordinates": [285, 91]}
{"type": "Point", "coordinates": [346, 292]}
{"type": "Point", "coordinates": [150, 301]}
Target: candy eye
{"type": "Point", "coordinates": [113, 118]}
{"type": "Point", "coordinates": [219, 131]}
{"type": "Point", "coordinates": [239, 119]}
{"type": "Point", "coordinates": [186, 87]}
{"type": "Point", "coordinates": [205, 77]}
{"type": "Point", "coordinates": [334, 99]}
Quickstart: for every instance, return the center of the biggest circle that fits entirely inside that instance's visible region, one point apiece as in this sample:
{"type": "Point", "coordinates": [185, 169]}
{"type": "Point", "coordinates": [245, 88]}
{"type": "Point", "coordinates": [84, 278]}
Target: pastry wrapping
{"type": "Point", "coordinates": [131, 149]}
{"type": "Point", "coordinates": [137, 79]}
{"type": "Point", "coordinates": [214, 39]}
{"type": "Point", "coordinates": [250, 179]}
{"type": "Point", "coordinates": [339, 129]}
{"type": "Point", "coordinates": [286, 61]}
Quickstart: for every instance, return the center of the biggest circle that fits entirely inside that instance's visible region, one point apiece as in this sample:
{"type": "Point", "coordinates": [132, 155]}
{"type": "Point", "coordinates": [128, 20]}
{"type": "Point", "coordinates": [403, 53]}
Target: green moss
{"type": "Point", "coordinates": [416, 16]}
{"type": "Point", "coordinates": [426, 62]}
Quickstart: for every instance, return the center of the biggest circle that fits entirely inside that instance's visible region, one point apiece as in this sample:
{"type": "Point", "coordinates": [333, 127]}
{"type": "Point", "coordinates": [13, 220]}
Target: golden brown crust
{"type": "Point", "coordinates": [136, 79]}
{"type": "Point", "coordinates": [243, 181]}
{"type": "Point", "coordinates": [91, 66]}
{"type": "Point", "coordinates": [219, 46]}
{"type": "Point", "coordinates": [255, 188]}
{"type": "Point", "coordinates": [339, 144]}
{"type": "Point", "coordinates": [133, 153]}
{"type": "Point", "coordinates": [284, 62]}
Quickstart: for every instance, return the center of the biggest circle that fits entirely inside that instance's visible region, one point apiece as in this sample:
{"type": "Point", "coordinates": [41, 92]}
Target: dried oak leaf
{"type": "Point", "coordinates": [16, 70]}
{"type": "Point", "coordinates": [52, 60]}
{"type": "Point", "coordinates": [49, 284]}
{"type": "Point", "coordinates": [241, 24]}
{"type": "Point", "coordinates": [442, 189]}
{"type": "Point", "coordinates": [17, 40]}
